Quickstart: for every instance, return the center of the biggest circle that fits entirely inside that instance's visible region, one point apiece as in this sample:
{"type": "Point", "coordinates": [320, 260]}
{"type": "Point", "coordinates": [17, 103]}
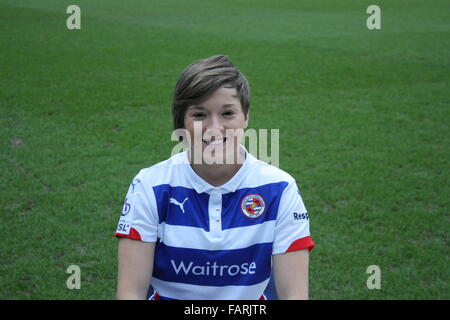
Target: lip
{"type": "Point", "coordinates": [215, 142]}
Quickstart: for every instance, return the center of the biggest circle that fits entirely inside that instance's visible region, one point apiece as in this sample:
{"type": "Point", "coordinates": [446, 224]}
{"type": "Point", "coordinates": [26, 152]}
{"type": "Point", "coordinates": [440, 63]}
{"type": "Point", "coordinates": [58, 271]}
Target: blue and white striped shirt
{"type": "Point", "coordinates": [214, 242]}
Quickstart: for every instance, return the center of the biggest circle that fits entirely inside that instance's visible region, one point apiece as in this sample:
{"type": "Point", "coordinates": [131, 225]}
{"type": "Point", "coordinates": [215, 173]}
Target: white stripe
{"type": "Point", "coordinates": [229, 239]}
{"type": "Point", "coordinates": [183, 291]}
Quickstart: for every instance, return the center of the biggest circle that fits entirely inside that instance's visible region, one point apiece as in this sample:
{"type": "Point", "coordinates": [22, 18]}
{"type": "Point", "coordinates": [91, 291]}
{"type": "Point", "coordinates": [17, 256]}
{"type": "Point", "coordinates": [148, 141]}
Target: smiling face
{"type": "Point", "coordinates": [222, 122]}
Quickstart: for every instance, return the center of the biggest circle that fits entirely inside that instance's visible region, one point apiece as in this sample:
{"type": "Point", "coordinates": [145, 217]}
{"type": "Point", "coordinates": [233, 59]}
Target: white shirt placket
{"type": "Point", "coordinates": [215, 214]}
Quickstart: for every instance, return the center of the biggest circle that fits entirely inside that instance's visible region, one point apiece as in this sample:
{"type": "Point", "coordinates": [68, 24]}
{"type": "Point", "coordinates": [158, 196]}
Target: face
{"type": "Point", "coordinates": [216, 126]}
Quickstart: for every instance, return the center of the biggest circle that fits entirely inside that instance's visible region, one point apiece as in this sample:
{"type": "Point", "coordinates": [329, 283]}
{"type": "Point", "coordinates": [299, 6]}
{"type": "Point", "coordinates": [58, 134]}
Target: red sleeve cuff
{"type": "Point", "coordinates": [300, 244]}
{"type": "Point", "coordinates": [134, 234]}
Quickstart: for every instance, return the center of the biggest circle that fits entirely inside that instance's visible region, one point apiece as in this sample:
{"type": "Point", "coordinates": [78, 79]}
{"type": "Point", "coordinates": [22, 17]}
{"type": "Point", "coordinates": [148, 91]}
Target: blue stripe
{"type": "Point", "coordinates": [163, 298]}
{"type": "Point", "coordinates": [166, 298]}
{"type": "Point", "coordinates": [232, 215]}
{"type": "Point", "coordinates": [239, 267]}
{"type": "Point", "coordinates": [195, 207]}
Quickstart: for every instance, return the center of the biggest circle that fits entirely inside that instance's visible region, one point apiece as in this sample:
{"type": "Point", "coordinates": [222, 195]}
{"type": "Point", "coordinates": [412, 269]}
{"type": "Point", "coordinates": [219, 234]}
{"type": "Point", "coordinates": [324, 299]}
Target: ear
{"type": "Point", "coordinates": [246, 119]}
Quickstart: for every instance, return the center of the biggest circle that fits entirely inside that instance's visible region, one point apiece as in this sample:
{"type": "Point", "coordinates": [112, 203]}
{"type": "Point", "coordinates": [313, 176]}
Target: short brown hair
{"type": "Point", "coordinates": [199, 81]}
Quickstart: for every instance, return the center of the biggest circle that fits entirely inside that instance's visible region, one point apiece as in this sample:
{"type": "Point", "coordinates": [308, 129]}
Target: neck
{"type": "Point", "coordinates": [218, 174]}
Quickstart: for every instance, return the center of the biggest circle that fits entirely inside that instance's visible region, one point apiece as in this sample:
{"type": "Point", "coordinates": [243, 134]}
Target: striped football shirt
{"type": "Point", "coordinates": [214, 242]}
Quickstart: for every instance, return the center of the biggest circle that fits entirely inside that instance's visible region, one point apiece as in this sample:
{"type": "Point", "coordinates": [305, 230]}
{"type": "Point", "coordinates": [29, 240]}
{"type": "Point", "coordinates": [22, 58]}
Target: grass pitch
{"type": "Point", "coordinates": [363, 118]}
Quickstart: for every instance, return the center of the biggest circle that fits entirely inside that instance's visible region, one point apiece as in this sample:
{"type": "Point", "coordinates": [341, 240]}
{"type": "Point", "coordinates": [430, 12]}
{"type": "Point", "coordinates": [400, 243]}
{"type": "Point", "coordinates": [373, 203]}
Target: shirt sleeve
{"type": "Point", "coordinates": [139, 218]}
{"type": "Point", "coordinates": [292, 225]}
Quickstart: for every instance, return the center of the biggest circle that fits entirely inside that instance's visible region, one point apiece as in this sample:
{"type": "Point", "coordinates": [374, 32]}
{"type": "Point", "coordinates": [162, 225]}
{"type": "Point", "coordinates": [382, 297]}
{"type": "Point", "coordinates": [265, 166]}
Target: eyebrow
{"type": "Point", "coordinates": [228, 105]}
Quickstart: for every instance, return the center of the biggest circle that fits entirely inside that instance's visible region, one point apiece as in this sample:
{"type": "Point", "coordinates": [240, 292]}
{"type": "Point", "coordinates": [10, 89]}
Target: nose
{"type": "Point", "coordinates": [213, 127]}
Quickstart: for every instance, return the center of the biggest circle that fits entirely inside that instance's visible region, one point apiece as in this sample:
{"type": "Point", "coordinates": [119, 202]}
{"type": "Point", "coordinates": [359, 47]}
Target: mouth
{"type": "Point", "coordinates": [214, 142]}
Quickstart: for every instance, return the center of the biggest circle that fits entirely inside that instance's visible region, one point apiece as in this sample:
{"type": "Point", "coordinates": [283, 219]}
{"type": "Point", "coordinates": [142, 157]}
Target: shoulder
{"type": "Point", "coordinates": [162, 172]}
{"type": "Point", "coordinates": [265, 173]}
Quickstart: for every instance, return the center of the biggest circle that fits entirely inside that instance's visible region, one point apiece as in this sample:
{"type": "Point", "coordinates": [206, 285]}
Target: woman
{"type": "Point", "coordinates": [211, 222]}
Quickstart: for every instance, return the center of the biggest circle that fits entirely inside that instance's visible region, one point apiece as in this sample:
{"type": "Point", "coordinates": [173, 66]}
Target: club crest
{"type": "Point", "coordinates": [253, 205]}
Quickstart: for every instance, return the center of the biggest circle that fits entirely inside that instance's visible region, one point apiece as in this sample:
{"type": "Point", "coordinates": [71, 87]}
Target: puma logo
{"type": "Point", "coordinates": [175, 202]}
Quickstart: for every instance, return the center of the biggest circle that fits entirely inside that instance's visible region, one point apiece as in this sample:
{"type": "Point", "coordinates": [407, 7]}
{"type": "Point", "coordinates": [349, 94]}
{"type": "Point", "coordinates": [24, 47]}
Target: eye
{"type": "Point", "coordinates": [228, 113]}
{"type": "Point", "coordinates": [198, 115]}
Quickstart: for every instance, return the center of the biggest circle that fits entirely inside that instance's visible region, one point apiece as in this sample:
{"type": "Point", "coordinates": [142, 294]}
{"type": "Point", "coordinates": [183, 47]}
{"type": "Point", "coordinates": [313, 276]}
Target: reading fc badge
{"type": "Point", "coordinates": [253, 205]}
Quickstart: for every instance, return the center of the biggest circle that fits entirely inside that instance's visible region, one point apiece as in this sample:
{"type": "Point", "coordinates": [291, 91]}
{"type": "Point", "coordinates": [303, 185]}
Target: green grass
{"type": "Point", "coordinates": [363, 118]}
